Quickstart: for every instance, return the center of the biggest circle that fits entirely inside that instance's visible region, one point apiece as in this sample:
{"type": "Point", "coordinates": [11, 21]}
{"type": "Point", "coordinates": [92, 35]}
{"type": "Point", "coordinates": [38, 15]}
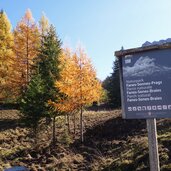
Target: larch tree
{"type": "Point", "coordinates": [79, 83]}
{"type": "Point", "coordinates": [68, 105]}
{"type": "Point", "coordinates": [6, 55]}
{"type": "Point", "coordinates": [44, 25]}
{"type": "Point", "coordinates": [26, 45]}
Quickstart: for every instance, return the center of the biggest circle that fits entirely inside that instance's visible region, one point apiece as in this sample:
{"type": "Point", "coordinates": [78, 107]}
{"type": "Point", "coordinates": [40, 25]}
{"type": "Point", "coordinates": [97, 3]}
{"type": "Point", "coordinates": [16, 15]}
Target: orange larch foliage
{"type": "Point", "coordinates": [44, 25]}
{"type": "Point", "coordinates": [78, 81]}
{"type": "Point", "coordinates": [6, 53]}
{"type": "Point", "coordinates": [26, 44]}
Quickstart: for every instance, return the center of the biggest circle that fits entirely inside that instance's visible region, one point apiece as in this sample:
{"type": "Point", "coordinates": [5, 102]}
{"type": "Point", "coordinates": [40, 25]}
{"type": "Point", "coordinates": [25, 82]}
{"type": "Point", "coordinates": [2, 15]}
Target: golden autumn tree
{"type": "Point", "coordinates": [6, 54]}
{"type": "Point", "coordinates": [67, 104]}
{"type": "Point", "coordinates": [44, 25]}
{"type": "Point", "coordinates": [26, 44]}
{"type": "Point", "coordinates": [78, 82]}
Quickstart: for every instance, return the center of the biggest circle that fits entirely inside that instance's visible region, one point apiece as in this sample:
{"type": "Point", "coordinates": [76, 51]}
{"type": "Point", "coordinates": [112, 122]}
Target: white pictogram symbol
{"type": "Point", "coordinates": [134, 108]}
{"type": "Point", "coordinates": [154, 107]}
{"type": "Point", "coordinates": [139, 108]}
{"type": "Point", "coordinates": [169, 107]}
{"type": "Point", "coordinates": [159, 107]}
{"type": "Point", "coordinates": [143, 108]}
{"type": "Point", "coordinates": [148, 107]}
{"type": "Point", "coordinates": [164, 107]}
{"type": "Point", "coordinates": [129, 109]}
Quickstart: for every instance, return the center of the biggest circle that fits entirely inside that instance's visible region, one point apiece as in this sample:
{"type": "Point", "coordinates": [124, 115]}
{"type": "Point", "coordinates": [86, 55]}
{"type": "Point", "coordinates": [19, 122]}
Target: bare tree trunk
{"type": "Point", "coordinates": [68, 123]}
{"type": "Point", "coordinates": [54, 133]}
{"type": "Point", "coordinates": [65, 119]}
{"type": "Point", "coordinates": [81, 125]}
{"type": "Point", "coordinates": [27, 56]}
{"type": "Point", "coordinates": [74, 124]}
{"type": "Point", "coordinates": [35, 135]}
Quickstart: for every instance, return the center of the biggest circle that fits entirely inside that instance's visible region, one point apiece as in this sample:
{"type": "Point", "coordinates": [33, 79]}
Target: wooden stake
{"type": "Point", "coordinates": [153, 145]}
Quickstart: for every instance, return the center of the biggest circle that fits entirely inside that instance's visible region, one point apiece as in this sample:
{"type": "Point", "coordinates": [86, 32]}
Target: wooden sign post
{"type": "Point", "coordinates": [145, 83]}
{"type": "Point", "coordinates": [153, 145]}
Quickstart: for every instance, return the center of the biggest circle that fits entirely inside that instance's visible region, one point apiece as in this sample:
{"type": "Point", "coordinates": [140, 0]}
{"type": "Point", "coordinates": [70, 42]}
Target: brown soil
{"type": "Point", "coordinates": [110, 143]}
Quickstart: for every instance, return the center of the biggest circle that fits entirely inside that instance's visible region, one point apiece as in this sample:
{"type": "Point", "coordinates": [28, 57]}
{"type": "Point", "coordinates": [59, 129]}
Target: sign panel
{"type": "Point", "coordinates": [146, 84]}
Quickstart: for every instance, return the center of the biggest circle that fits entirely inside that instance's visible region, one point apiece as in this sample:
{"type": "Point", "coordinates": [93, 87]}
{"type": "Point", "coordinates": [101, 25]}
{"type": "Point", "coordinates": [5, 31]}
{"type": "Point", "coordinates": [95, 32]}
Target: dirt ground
{"type": "Point", "coordinates": [111, 144]}
{"type": "Point", "coordinates": [17, 145]}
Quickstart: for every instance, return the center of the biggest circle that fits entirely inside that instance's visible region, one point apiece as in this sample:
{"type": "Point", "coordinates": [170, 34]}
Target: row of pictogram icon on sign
{"type": "Point", "coordinates": [149, 108]}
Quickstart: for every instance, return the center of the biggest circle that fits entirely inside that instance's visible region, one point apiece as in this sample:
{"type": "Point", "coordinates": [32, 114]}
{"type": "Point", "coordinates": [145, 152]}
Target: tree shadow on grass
{"type": "Point", "coordinates": [111, 134]}
{"type": "Point", "coordinates": [116, 129]}
{"type": "Point", "coordinates": [6, 124]}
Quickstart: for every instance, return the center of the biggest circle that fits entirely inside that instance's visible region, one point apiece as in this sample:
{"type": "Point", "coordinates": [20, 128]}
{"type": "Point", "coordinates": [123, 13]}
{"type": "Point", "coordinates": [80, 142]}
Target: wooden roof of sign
{"type": "Point", "coordinates": [122, 53]}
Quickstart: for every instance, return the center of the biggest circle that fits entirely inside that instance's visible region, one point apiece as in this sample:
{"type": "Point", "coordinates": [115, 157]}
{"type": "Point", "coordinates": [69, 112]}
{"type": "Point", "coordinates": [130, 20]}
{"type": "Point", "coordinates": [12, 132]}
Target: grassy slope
{"type": "Point", "coordinates": [111, 143]}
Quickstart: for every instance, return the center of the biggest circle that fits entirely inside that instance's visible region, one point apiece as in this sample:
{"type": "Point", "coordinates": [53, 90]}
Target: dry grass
{"type": "Point", "coordinates": [111, 143]}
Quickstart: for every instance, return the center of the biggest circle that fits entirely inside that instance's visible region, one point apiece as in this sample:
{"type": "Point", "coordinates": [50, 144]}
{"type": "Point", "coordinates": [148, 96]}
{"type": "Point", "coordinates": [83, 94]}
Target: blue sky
{"type": "Point", "coordinates": [102, 26]}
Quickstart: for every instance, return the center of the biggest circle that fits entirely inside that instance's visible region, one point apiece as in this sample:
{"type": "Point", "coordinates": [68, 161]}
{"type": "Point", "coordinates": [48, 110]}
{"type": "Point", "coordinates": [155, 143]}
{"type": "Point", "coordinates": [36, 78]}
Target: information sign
{"type": "Point", "coordinates": [146, 84]}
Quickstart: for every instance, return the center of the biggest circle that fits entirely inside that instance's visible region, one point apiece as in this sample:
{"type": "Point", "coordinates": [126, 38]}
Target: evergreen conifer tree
{"type": "Point", "coordinates": [41, 89]}
{"type": "Point", "coordinates": [49, 70]}
{"type": "Point", "coordinates": [32, 103]}
{"type": "Point", "coordinates": [112, 85]}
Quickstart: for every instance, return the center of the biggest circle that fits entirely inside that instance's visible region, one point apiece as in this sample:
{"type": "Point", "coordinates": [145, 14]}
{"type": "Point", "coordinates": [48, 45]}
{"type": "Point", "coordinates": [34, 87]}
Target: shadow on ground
{"type": "Point", "coordinates": [115, 128]}
{"type": "Point", "coordinates": [6, 124]}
